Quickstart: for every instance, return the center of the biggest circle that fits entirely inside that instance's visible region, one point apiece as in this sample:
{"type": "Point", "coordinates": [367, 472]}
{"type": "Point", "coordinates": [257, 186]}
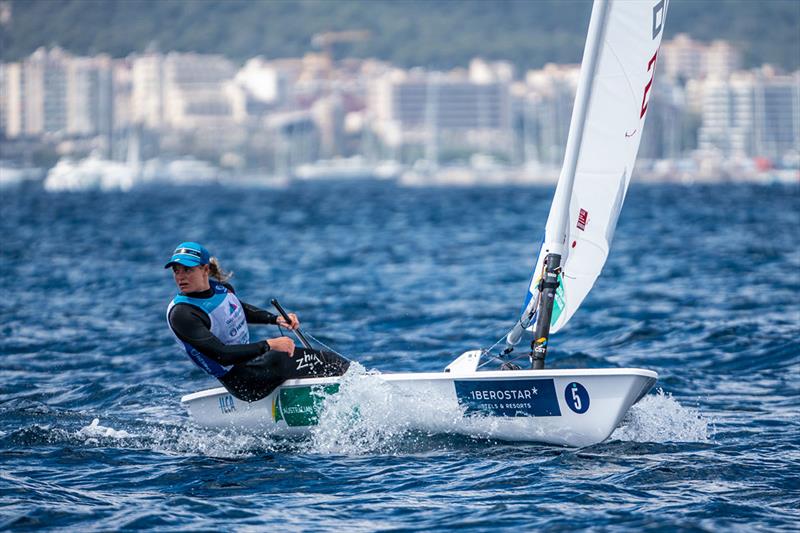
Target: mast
{"type": "Point", "coordinates": [555, 236]}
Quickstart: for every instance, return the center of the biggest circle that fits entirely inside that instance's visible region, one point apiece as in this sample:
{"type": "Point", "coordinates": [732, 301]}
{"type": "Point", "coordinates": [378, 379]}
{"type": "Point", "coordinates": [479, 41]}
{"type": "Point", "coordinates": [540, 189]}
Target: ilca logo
{"type": "Point", "coordinates": [226, 404]}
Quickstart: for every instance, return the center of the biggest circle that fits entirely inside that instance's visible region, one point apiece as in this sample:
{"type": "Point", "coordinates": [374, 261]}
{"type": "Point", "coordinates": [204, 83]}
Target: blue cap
{"type": "Point", "coordinates": [190, 254]}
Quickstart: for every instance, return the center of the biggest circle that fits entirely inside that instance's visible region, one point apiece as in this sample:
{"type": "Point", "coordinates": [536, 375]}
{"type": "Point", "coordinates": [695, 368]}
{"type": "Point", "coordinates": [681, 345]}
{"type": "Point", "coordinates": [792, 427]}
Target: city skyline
{"type": "Point", "coordinates": [279, 114]}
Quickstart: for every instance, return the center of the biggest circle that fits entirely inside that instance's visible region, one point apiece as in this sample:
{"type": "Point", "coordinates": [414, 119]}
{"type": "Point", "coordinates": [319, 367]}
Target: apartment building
{"type": "Point", "coordinates": [776, 102]}
{"type": "Point", "coordinates": [683, 58]}
{"type": "Point", "coordinates": [89, 96]}
{"type": "Point", "coordinates": [194, 91]}
{"type": "Point", "coordinates": [35, 94]}
{"type": "Point", "coordinates": [147, 90]}
{"type": "Point", "coordinates": [751, 114]}
{"type": "Point", "coordinates": [550, 97]}
{"type": "Point", "coordinates": [418, 105]}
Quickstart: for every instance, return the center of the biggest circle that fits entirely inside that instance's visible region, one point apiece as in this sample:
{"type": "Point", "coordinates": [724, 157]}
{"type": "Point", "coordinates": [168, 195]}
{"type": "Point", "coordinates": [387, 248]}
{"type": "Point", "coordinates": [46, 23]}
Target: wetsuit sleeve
{"type": "Point", "coordinates": [193, 326]}
{"type": "Point", "coordinates": [254, 315]}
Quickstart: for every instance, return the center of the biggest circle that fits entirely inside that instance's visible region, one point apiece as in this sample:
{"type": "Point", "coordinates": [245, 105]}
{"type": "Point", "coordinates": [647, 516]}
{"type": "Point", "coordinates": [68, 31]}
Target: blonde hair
{"type": "Point", "coordinates": [215, 271]}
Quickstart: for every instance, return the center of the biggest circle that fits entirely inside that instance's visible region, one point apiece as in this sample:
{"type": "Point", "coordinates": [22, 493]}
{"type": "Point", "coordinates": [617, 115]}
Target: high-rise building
{"type": "Point", "coordinates": [3, 99]}
{"type": "Point", "coordinates": [12, 96]}
{"type": "Point", "coordinates": [662, 137]}
{"type": "Point", "coordinates": [727, 116]}
{"type": "Point", "coordinates": [35, 94]}
{"type": "Point", "coordinates": [751, 114]}
{"type": "Point", "coordinates": [262, 81]}
{"type": "Point", "coordinates": [194, 91]}
{"type": "Point", "coordinates": [419, 103]}
{"type": "Point", "coordinates": [776, 114]}
{"type": "Point", "coordinates": [147, 90]}
{"type": "Point", "coordinates": [721, 59]}
{"type": "Point", "coordinates": [683, 59]}
{"type": "Point", "coordinates": [46, 85]}
{"type": "Point", "coordinates": [90, 94]}
{"type": "Point", "coordinates": [122, 80]}
{"type": "Point", "coordinates": [551, 94]}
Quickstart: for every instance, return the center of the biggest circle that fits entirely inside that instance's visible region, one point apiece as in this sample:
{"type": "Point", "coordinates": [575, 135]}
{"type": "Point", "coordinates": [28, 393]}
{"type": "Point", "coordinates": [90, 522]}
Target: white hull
{"type": "Point", "coordinates": [563, 407]}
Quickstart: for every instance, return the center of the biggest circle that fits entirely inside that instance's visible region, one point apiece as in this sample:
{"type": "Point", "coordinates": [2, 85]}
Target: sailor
{"type": "Point", "coordinates": [210, 324]}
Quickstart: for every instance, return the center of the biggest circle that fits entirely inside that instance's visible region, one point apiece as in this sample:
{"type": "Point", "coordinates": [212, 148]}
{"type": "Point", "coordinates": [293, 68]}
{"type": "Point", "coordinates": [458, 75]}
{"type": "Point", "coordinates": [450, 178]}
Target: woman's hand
{"type": "Point", "coordinates": [295, 322]}
{"type": "Point", "coordinates": [281, 344]}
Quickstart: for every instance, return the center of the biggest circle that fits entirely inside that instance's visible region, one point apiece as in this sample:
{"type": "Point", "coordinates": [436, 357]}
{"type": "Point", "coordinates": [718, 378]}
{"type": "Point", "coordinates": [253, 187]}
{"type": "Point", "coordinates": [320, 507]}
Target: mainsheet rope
{"type": "Point", "coordinates": [313, 338]}
{"type": "Point", "coordinates": [485, 352]}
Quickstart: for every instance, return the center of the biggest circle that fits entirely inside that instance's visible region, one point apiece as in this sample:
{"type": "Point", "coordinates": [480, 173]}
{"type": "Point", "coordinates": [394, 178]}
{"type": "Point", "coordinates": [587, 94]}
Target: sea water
{"type": "Point", "coordinates": [702, 286]}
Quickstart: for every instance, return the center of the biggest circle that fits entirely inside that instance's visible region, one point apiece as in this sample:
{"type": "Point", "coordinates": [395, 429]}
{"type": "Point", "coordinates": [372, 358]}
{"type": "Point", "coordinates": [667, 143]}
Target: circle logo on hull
{"type": "Point", "coordinates": [576, 397]}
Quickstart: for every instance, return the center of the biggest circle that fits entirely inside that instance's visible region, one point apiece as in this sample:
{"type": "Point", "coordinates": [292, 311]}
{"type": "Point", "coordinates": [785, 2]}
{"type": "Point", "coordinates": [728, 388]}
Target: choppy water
{"type": "Point", "coordinates": [703, 286]}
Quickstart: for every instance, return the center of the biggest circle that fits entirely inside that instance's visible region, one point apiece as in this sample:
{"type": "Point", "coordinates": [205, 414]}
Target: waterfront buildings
{"type": "Point", "coordinates": [751, 114]}
{"type": "Point", "coordinates": [279, 113]}
{"type": "Point", "coordinates": [445, 111]}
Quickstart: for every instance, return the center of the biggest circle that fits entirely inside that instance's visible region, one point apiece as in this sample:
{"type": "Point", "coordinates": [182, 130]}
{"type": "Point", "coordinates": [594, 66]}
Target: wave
{"type": "Point", "coordinates": [367, 416]}
{"type": "Point", "coordinates": [660, 418]}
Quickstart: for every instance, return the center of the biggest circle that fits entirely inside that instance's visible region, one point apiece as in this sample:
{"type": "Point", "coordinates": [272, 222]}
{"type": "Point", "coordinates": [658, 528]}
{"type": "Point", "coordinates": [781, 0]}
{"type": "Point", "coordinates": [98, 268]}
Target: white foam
{"type": "Point", "coordinates": [197, 441]}
{"type": "Point", "coordinates": [660, 418]}
{"type": "Point", "coordinates": [177, 440]}
{"type": "Point", "coordinates": [370, 415]}
{"type": "Point", "coordinates": [94, 430]}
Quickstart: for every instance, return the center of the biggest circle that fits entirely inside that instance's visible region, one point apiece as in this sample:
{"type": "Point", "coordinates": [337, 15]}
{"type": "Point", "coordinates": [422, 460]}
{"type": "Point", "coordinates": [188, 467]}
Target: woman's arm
{"type": "Point", "coordinates": [254, 315]}
{"type": "Point", "coordinates": [193, 326]}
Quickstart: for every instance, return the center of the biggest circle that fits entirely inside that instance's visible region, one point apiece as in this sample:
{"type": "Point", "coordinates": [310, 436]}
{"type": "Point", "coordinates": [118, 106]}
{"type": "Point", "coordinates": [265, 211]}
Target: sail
{"type": "Point", "coordinates": [611, 106]}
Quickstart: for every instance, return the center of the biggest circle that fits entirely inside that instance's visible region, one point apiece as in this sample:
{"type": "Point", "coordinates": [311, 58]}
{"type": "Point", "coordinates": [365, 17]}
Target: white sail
{"type": "Point", "coordinates": [610, 109]}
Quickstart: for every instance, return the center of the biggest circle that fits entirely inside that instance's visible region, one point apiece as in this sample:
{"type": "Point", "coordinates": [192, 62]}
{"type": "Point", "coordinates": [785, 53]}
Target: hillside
{"type": "Point", "coordinates": [442, 33]}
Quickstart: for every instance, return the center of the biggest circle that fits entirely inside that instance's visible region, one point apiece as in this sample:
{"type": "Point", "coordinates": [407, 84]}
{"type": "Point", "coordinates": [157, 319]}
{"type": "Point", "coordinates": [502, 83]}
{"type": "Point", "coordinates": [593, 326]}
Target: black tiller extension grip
{"type": "Point", "coordinates": [285, 316]}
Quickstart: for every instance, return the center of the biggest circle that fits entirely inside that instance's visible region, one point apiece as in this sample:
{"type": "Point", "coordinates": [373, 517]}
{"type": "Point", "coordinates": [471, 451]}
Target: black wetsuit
{"type": "Point", "coordinates": [256, 370]}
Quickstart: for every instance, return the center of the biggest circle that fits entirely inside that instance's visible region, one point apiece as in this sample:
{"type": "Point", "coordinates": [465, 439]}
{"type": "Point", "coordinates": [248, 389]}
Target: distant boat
{"type": "Point", "coordinates": [256, 179]}
{"type": "Point", "coordinates": [482, 170]}
{"type": "Point", "coordinates": [185, 171]}
{"type": "Point", "coordinates": [347, 168]}
{"type": "Point", "coordinates": [97, 173]}
{"type": "Point", "coordinates": [12, 174]}
{"type": "Point", "coordinates": [94, 172]}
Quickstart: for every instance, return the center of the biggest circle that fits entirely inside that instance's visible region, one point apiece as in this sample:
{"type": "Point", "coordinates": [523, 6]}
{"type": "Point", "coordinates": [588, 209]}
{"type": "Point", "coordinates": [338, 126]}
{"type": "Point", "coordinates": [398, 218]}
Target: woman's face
{"type": "Point", "coordinates": [191, 279]}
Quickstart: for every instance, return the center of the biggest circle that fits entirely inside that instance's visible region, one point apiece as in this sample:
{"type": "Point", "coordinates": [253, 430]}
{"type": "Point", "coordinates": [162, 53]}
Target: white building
{"type": "Point", "coordinates": [122, 79]}
{"type": "Point", "coordinates": [776, 114]}
{"type": "Point", "coordinates": [721, 59]}
{"type": "Point", "coordinates": [683, 58]}
{"type": "Point", "coordinates": [3, 99]}
{"type": "Point", "coordinates": [551, 94]}
{"type": "Point", "coordinates": [727, 116]}
{"type": "Point", "coordinates": [262, 80]}
{"type": "Point", "coordinates": [195, 95]}
{"type": "Point", "coordinates": [481, 71]}
{"type": "Point", "coordinates": [147, 90]}
{"type": "Point", "coordinates": [667, 116]}
{"type": "Point", "coordinates": [90, 96]}
{"type": "Point", "coordinates": [420, 104]}
{"type": "Point", "coordinates": [35, 94]}
{"type": "Point", "coordinates": [751, 114]}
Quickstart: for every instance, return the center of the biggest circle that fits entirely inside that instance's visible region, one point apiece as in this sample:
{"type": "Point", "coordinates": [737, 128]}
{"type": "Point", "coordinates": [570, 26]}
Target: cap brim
{"type": "Point", "coordinates": [185, 261]}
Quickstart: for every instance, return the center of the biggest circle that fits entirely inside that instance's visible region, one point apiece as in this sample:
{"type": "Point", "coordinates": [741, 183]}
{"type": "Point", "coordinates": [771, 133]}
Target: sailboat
{"type": "Point", "coordinates": [571, 407]}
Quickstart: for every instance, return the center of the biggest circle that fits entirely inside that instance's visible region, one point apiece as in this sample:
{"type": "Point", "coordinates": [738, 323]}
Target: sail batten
{"type": "Point", "coordinates": [614, 89]}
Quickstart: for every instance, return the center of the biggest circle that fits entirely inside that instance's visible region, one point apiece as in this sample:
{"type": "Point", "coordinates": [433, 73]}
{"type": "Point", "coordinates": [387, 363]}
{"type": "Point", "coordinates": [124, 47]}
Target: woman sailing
{"type": "Point", "coordinates": [210, 323]}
